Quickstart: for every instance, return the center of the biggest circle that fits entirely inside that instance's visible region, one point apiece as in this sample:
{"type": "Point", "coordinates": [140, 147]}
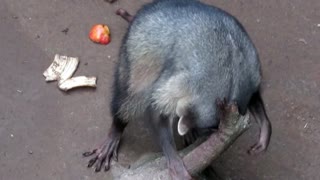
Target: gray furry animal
{"type": "Point", "coordinates": [178, 58]}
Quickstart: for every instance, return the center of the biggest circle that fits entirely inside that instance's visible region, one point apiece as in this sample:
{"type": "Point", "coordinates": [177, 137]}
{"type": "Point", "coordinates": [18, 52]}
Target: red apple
{"type": "Point", "coordinates": [100, 33]}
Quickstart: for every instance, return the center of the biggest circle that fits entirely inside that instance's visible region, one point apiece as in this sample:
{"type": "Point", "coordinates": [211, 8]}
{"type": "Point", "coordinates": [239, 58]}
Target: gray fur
{"type": "Point", "coordinates": [182, 55]}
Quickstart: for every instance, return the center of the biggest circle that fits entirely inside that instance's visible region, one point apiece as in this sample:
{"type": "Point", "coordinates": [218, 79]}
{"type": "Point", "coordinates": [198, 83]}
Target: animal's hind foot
{"type": "Point", "coordinates": [257, 148]}
{"type": "Point", "coordinates": [263, 142]}
{"type": "Point", "coordinates": [103, 154]}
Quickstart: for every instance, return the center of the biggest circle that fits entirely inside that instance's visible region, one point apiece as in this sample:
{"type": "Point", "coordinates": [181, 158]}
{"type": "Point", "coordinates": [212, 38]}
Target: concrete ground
{"type": "Point", "coordinates": [43, 131]}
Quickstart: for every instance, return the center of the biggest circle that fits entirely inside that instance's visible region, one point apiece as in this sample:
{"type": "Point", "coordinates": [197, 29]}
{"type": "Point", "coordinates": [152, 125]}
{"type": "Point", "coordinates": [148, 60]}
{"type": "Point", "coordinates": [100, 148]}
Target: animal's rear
{"type": "Point", "coordinates": [182, 49]}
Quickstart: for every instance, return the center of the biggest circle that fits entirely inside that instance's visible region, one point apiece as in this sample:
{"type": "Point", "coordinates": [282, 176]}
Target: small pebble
{"type": "Point", "coordinates": [86, 64]}
{"type": "Point", "coordinates": [30, 152]}
{"type": "Point", "coordinates": [318, 25]}
{"type": "Point", "coordinates": [19, 91]}
{"type": "Point", "coordinates": [109, 57]}
{"type": "Point", "coordinates": [11, 135]}
{"type": "Point", "coordinates": [65, 31]}
{"type": "Point", "coordinates": [303, 41]}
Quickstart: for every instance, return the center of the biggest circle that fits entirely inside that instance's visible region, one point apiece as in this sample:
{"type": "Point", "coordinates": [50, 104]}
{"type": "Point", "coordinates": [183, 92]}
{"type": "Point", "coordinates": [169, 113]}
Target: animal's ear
{"type": "Point", "coordinates": [184, 125]}
{"type": "Point", "coordinates": [186, 118]}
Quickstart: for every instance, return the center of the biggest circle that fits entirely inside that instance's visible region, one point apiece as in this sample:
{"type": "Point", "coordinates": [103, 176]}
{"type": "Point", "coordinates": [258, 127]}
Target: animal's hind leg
{"type": "Point", "coordinates": [177, 169]}
{"type": "Point", "coordinates": [257, 109]}
{"type": "Point", "coordinates": [109, 148]}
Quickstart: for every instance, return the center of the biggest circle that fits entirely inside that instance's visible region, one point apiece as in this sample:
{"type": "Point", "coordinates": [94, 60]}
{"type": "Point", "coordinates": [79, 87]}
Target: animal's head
{"type": "Point", "coordinates": [196, 114]}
